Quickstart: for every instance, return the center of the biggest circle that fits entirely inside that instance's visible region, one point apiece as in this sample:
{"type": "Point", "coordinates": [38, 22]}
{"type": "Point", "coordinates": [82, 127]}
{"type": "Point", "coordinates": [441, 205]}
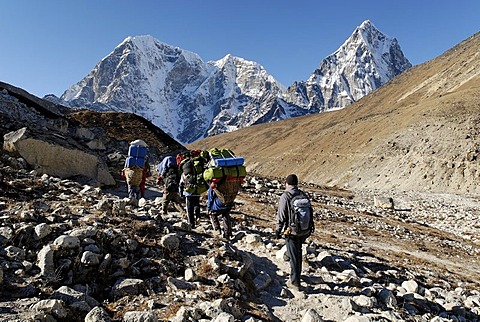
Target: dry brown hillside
{"type": "Point", "coordinates": [421, 131]}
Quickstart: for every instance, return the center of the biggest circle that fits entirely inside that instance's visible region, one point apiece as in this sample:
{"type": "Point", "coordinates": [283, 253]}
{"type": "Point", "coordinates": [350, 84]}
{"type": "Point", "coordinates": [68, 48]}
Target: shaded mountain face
{"type": "Point", "coordinates": [420, 131]}
{"type": "Point", "coordinates": [176, 90]}
{"type": "Point", "coordinates": [191, 99]}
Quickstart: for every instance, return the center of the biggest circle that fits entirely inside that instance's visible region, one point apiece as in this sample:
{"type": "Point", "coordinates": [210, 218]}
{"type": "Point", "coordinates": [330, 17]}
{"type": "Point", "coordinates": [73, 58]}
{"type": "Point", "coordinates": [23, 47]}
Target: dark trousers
{"type": "Point", "coordinates": [193, 209]}
{"type": "Point", "coordinates": [221, 219]}
{"type": "Point", "coordinates": [133, 192]}
{"type": "Point", "coordinates": [143, 187]}
{"type": "Point", "coordinates": [172, 197]}
{"type": "Point", "coordinates": [294, 250]}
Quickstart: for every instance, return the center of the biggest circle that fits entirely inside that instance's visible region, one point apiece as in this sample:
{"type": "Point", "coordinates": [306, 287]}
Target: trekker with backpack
{"type": "Point", "coordinates": [295, 221]}
{"type": "Point", "coordinates": [133, 178]}
{"type": "Point", "coordinates": [168, 172]}
{"type": "Point", "coordinates": [192, 203]}
{"type": "Point", "coordinates": [136, 170]}
{"type": "Point", "coordinates": [193, 184]}
{"type": "Point", "coordinates": [219, 214]}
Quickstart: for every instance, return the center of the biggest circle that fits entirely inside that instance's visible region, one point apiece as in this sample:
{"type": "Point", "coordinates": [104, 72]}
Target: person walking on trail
{"type": "Point", "coordinates": [133, 178]}
{"type": "Point", "coordinates": [169, 174]}
{"type": "Point", "coordinates": [192, 202]}
{"type": "Point", "coordinates": [294, 221]}
{"type": "Point", "coordinates": [219, 214]}
{"type": "Point", "coordinates": [145, 174]}
{"type": "Point", "coordinates": [136, 170]}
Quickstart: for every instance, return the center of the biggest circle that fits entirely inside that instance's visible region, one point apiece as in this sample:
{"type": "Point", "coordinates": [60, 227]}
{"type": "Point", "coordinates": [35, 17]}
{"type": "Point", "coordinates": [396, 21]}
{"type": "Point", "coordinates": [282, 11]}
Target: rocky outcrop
{"type": "Point", "coordinates": [56, 160]}
{"type": "Point", "coordinates": [66, 143]}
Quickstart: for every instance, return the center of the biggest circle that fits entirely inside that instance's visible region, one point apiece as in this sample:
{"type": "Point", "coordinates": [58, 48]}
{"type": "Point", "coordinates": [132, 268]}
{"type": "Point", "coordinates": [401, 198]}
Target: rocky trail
{"type": "Point", "coordinates": [73, 252]}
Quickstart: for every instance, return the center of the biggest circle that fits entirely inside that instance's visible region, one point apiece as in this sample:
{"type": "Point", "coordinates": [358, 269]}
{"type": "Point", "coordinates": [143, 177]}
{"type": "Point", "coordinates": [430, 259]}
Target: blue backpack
{"type": "Point", "coordinates": [137, 155]}
{"type": "Point", "coordinates": [167, 163]}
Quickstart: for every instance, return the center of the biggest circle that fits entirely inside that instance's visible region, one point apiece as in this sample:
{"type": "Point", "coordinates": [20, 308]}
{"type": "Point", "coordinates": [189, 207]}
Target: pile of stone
{"type": "Point", "coordinates": [353, 286]}
{"type": "Point", "coordinates": [71, 251]}
{"type": "Point", "coordinates": [68, 249]}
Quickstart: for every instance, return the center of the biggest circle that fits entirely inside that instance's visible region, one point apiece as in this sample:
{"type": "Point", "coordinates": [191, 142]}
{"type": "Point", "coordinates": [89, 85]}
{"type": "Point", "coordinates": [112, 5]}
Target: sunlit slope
{"type": "Point", "coordinates": [418, 132]}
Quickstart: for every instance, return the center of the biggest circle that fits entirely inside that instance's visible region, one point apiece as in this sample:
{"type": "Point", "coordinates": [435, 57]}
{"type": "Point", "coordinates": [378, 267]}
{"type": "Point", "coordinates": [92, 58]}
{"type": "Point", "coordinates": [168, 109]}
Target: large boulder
{"type": "Point", "coordinates": [55, 159]}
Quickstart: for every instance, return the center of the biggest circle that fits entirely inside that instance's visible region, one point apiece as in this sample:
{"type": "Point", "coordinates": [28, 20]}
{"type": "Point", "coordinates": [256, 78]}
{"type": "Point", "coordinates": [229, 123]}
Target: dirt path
{"type": "Point", "coordinates": [401, 243]}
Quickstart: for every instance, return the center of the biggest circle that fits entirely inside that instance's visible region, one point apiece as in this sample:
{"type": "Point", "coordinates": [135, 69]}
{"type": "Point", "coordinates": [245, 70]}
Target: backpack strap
{"type": "Point", "coordinates": [290, 206]}
{"type": "Point", "coordinates": [291, 195]}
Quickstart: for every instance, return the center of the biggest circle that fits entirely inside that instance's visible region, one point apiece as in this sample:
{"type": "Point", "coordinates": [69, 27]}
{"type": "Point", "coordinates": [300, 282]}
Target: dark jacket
{"type": "Point", "coordinates": [284, 209]}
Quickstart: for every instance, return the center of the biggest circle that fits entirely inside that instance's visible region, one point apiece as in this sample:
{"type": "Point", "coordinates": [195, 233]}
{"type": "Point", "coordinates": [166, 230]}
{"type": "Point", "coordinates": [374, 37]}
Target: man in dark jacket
{"type": "Point", "coordinates": [293, 242]}
{"type": "Point", "coordinates": [168, 172]}
{"type": "Point", "coordinates": [219, 214]}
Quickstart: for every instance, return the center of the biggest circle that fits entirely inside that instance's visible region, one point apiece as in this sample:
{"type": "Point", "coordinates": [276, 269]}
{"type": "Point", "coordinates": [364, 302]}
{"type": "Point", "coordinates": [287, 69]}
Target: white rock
{"type": "Point", "coordinates": [139, 316]}
{"type": "Point", "coordinates": [69, 242]}
{"type": "Point", "coordinates": [53, 307]}
{"type": "Point", "coordinates": [410, 286]}
{"type": "Point", "coordinates": [190, 275]}
{"type": "Point", "coordinates": [45, 262]}
{"type": "Point", "coordinates": [311, 316]}
{"type": "Point", "coordinates": [253, 239]}
{"type": "Point", "coordinates": [42, 230]}
{"type": "Point", "coordinates": [128, 286]}
{"type": "Point", "coordinates": [90, 259]}
{"type": "Point", "coordinates": [224, 317]}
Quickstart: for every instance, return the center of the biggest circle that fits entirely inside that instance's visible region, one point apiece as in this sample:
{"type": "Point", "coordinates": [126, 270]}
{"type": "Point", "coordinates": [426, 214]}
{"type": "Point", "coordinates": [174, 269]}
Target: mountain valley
{"type": "Point", "coordinates": [393, 178]}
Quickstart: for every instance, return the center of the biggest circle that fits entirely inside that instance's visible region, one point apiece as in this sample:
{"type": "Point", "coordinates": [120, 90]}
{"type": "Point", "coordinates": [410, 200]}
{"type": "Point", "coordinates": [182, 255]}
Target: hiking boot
{"type": "Point", "coordinates": [294, 287]}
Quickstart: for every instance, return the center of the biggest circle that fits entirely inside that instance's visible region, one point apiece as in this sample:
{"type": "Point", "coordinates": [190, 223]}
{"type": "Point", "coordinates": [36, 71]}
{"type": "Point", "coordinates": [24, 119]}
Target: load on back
{"type": "Point", "coordinates": [135, 162]}
{"type": "Point", "coordinates": [225, 173]}
{"type": "Point", "coordinates": [192, 166]}
{"type": "Point", "coordinates": [218, 168]}
{"type": "Point", "coordinates": [137, 153]}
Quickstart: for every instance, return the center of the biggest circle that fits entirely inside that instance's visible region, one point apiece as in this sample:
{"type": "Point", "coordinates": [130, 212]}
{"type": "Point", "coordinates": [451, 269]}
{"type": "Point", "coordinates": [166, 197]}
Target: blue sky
{"type": "Point", "coordinates": [49, 45]}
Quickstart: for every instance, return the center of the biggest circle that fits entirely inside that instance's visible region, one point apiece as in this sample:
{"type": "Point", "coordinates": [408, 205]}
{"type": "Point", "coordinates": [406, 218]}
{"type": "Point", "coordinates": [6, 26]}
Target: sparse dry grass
{"type": "Point", "coordinates": [172, 310]}
{"type": "Point", "coordinates": [206, 270]}
{"type": "Point", "coordinates": [416, 132]}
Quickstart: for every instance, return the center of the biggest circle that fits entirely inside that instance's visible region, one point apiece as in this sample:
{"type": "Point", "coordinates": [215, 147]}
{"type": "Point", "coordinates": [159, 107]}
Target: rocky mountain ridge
{"type": "Point", "coordinates": [190, 99]}
{"type": "Point", "coordinates": [365, 61]}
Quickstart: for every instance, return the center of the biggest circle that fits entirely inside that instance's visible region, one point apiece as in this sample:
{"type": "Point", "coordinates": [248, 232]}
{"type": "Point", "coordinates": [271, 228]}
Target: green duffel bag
{"type": "Point", "coordinates": [213, 173]}
{"type": "Point", "coordinates": [221, 153]}
{"type": "Point", "coordinates": [237, 171]}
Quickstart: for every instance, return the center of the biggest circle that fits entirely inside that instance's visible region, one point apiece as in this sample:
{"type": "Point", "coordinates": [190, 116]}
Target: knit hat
{"type": "Point", "coordinates": [292, 180]}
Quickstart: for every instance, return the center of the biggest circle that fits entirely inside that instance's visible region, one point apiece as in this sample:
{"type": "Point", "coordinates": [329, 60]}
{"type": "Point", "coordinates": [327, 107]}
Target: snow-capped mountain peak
{"type": "Point", "coordinates": [190, 99]}
{"type": "Point", "coordinates": [365, 61]}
